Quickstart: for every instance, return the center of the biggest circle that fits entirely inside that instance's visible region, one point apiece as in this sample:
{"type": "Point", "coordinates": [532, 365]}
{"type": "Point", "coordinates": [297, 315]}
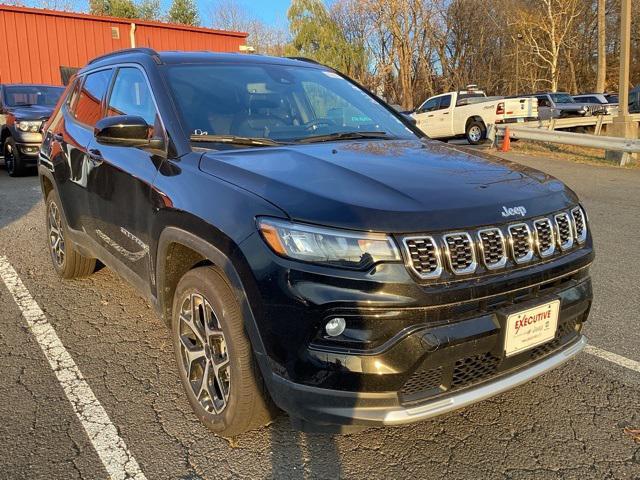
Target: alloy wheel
{"type": "Point", "coordinates": [475, 133]}
{"type": "Point", "coordinates": [205, 359]}
{"type": "Point", "coordinates": [56, 235]}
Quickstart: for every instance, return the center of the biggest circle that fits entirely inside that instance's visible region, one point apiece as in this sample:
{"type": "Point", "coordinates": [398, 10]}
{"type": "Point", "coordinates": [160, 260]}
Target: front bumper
{"type": "Point", "coordinates": [322, 409]}
{"type": "Point", "coordinates": [28, 145]}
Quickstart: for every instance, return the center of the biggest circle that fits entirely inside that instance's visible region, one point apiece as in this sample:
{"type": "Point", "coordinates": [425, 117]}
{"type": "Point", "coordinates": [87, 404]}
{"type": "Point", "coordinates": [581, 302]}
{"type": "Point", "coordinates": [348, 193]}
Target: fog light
{"type": "Point", "coordinates": [335, 326]}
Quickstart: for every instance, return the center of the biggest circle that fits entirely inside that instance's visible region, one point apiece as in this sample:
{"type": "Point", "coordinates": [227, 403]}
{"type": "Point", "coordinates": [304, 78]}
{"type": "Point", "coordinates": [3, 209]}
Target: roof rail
{"type": "Point", "coordinates": [144, 50]}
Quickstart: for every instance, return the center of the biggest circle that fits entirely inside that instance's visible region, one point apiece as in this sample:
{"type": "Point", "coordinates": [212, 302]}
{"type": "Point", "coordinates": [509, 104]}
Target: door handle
{"type": "Point", "coordinates": [445, 113]}
{"type": "Point", "coordinates": [58, 137]}
{"type": "Point", "coordinates": [430, 115]}
{"type": "Point", "coordinates": [95, 156]}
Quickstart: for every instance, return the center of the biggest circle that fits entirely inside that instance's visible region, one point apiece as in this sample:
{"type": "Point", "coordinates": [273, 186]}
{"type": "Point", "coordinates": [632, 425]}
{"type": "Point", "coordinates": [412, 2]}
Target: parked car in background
{"type": "Point", "coordinates": [561, 105]}
{"type": "Point", "coordinates": [607, 101]}
{"type": "Point", "coordinates": [634, 100]}
{"type": "Point", "coordinates": [468, 113]}
{"type": "Point", "coordinates": [307, 245]}
{"type": "Point", "coordinates": [23, 110]}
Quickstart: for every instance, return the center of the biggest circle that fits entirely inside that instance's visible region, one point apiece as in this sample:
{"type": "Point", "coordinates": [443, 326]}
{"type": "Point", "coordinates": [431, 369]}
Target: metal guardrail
{"type": "Point", "coordinates": [571, 122]}
{"type": "Point", "coordinates": [626, 145]}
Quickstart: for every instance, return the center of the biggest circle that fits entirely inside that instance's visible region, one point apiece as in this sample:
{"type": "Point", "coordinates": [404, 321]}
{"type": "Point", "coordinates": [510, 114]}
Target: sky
{"type": "Point", "coordinates": [271, 12]}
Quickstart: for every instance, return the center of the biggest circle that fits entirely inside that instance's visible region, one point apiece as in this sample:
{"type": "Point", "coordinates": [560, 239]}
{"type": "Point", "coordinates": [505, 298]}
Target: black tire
{"type": "Point", "coordinates": [67, 261]}
{"type": "Point", "coordinates": [233, 400]}
{"type": "Point", "coordinates": [12, 160]}
{"type": "Point", "coordinates": [476, 132]}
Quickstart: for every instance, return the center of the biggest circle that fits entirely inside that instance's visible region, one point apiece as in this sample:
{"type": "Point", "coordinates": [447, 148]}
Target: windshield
{"type": "Point", "coordinates": [561, 98]}
{"type": "Point", "coordinates": [26, 95]}
{"type": "Point", "coordinates": [276, 102]}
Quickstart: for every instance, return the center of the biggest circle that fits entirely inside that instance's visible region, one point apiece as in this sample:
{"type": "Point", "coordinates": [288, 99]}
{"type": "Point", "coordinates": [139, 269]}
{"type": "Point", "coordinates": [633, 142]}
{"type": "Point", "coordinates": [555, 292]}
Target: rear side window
{"type": "Point", "coordinates": [88, 108]}
{"type": "Point", "coordinates": [445, 102]}
{"type": "Point", "coordinates": [131, 96]}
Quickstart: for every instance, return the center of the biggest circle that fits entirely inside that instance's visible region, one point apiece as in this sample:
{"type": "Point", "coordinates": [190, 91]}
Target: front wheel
{"type": "Point", "coordinates": [214, 355]}
{"type": "Point", "coordinates": [68, 262]}
{"type": "Point", "coordinates": [12, 160]}
{"type": "Point", "coordinates": [475, 132]}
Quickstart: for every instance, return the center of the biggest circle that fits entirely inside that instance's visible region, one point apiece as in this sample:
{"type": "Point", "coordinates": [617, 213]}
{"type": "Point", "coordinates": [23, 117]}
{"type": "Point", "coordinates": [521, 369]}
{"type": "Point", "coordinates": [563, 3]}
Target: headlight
{"type": "Point", "coordinates": [327, 245]}
{"type": "Point", "coordinates": [29, 126]}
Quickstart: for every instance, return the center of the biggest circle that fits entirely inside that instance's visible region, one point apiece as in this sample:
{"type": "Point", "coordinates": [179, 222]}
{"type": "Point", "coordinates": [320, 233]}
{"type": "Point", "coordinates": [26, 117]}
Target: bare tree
{"type": "Point", "coordinates": [601, 83]}
{"type": "Point", "coordinates": [546, 26]}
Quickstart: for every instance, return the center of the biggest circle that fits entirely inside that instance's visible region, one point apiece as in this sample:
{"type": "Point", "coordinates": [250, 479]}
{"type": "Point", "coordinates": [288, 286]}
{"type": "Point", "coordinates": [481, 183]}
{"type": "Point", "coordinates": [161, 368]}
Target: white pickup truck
{"type": "Point", "coordinates": [468, 113]}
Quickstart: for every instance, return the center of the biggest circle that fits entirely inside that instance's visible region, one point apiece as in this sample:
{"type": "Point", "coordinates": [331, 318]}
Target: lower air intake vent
{"type": "Point", "coordinates": [544, 237]}
{"type": "Point", "coordinates": [460, 253]}
{"type": "Point", "coordinates": [424, 257]}
{"type": "Point", "coordinates": [564, 231]}
{"type": "Point", "coordinates": [521, 242]}
{"type": "Point", "coordinates": [493, 248]}
{"type": "Point", "coordinates": [579, 224]}
{"type": "Point", "coordinates": [471, 370]}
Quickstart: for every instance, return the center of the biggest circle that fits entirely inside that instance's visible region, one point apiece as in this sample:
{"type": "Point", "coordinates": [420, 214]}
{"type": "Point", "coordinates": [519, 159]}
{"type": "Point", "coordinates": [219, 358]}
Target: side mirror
{"type": "Point", "coordinates": [410, 119]}
{"type": "Point", "coordinates": [125, 131]}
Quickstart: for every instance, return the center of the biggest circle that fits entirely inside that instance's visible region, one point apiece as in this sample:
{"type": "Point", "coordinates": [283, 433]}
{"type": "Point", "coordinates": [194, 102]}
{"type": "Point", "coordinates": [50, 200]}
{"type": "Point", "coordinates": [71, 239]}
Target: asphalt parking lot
{"type": "Point", "coordinates": [568, 424]}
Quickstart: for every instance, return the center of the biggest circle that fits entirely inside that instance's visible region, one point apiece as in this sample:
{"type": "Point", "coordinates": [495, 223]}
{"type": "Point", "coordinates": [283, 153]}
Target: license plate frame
{"type": "Point", "coordinates": [530, 327]}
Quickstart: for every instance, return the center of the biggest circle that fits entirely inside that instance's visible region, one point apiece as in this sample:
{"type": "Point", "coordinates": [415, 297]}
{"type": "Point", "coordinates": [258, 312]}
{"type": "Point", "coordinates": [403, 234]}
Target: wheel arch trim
{"type": "Point", "coordinates": [218, 258]}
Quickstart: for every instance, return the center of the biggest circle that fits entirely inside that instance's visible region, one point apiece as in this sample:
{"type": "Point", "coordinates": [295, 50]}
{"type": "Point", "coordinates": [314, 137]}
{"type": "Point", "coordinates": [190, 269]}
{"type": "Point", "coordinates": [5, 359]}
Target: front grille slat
{"type": "Point", "coordinates": [521, 242]}
{"type": "Point", "coordinates": [564, 231]}
{"type": "Point", "coordinates": [544, 237]}
{"type": "Point", "coordinates": [460, 253]}
{"type": "Point", "coordinates": [492, 246]}
{"type": "Point", "coordinates": [579, 224]}
{"type": "Point", "coordinates": [424, 256]}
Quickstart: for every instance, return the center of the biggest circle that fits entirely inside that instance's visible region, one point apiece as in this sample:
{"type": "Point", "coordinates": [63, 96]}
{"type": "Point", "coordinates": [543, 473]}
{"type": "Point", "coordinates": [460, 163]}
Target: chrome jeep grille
{"type": "Point", "coordinates": [563, 231]}
{"type": "Point", "coordinates": [521, 242]}
{"type": "Point", "coordinates": [544, 238]}
{"type": "Point", "coordinates": [504, 246]}
{"type": "Point", "coordinates": [424, 256]}
{"type": "Point", "coordinates": [460, 252]}
{"type": "Point", "coordinates": [579, 224]}
{"type": "Point", "coordinates": [492, 247]}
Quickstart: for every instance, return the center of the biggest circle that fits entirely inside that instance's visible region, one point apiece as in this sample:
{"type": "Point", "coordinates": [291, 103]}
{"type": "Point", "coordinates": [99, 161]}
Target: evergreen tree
{"type": "Point", "coordinates": [184, 11]}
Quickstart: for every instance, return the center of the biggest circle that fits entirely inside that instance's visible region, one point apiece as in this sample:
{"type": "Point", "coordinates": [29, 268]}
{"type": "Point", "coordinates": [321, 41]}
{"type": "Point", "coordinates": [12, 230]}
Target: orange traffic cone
{"type": "Point", "coordinates": [506, 141]}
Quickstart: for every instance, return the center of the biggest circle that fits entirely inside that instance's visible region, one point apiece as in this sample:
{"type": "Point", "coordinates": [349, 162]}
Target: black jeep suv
{"type": "Point", "coordinates": [23, 110]}
{"type": "Point", "coordinates": [308, 247]}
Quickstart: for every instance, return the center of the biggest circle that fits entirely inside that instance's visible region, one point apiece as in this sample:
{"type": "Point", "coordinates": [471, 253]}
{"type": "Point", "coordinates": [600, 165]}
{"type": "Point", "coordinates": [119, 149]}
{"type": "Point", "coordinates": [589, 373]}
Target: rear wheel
{"type": "Point", "coordinates": [67, 261]}
{"type": "Point", "coordinates": [12, 160]}
{"type": "Point", "coordinates": [475, 132]}
{"type": "Point", "coordinates": [214, 355]}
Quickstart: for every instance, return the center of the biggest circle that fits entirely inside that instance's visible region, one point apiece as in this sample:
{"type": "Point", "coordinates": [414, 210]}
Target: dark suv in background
{"type": "Point", "coordinates": [23, 110]}
{"type": "Point", "coordinates": [309, 248]}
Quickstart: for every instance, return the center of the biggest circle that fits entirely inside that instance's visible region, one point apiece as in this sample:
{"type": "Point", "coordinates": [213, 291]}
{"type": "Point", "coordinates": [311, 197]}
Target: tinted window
{"type": "Point", "coordinates": [430, 105]}
{"type": "Point", "coordinates": [88, 107]}
{"type": "Point", "coordinates": [26, 95]}
{"type": "Point", "coordinates": [280, 102]}
{"type": "Point", "coordinates": [543, 102]}
{"type": "Point", "coordinates": [131, 96]}
{"type": "Point", "coordinates": [445, 102]}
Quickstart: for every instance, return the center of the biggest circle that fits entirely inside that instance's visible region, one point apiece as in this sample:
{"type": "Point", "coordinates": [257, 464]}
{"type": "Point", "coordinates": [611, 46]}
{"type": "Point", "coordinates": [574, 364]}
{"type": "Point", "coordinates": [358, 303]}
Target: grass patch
{"type": "Point", "coordinates": [594, 156]}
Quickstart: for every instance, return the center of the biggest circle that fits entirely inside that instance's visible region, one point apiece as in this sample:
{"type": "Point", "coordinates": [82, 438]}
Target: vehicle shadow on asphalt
{"type": "Point", "coordinates": [299, 455]}
{"type": "Point", "coordinates": [17, 196]}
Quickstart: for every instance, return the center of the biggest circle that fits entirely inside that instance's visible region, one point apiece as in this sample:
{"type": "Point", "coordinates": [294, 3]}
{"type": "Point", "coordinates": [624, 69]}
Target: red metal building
{"type": "Point", "coordinates": [37, 45]}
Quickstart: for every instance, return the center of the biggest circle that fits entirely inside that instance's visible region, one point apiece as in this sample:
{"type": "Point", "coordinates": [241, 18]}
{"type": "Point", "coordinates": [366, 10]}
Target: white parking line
{"type": "Point", "coordinates": [111, 449]}
{"type": "Point", "coordinates": [613, 358]}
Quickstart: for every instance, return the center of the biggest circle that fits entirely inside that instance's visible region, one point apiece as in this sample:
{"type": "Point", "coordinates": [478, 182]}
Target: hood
{"type": "Point", "coordinates": [33, 112]}
{"type": "Point", "coordinates": [391, 186]}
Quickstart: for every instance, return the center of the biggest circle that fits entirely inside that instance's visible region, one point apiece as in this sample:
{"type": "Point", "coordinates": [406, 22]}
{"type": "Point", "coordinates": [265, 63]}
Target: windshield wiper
{"type": "Point", "coordinates": [342, 136]}
{"type": "Point", "coordinates": [235, 140]}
